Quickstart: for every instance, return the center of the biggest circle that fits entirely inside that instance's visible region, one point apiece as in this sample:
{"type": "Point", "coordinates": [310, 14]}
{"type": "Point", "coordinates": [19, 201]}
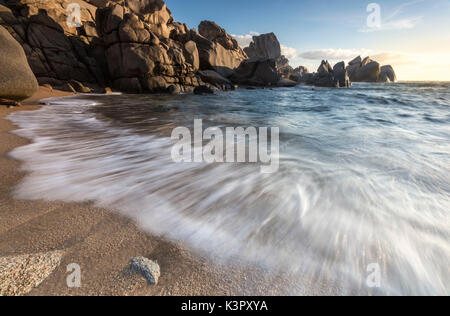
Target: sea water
{"type": "Point", "coordinates": [361, 199]}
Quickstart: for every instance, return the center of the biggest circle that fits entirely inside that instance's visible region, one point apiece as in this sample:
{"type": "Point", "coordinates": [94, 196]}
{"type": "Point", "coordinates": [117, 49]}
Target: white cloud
{"type": "Point", "coordinates": [335, 54]}
{"type": "Point", "coordinates": [245, 40]}
{"type": "Point", "coordinates": [289, 52]}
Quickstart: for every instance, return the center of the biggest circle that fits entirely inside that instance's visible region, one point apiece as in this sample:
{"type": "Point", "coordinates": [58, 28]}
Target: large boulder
{"type": "Point", "coordinates": [388, 74]}
{"type": "Point", "coordinates": [218, 50]}
{"type": "Point", "coordinates": [257, 72]}
{"type": "Point", "coordinates": [267, 46]}
{"type": "Point", "coordinates": [17, 81]}
{"type": "Point", "coordinates": [264, 46]}
{"type": "Point", "coordinates": [369, 72]}
{"type": "Point", "coordinates": [214, 78]}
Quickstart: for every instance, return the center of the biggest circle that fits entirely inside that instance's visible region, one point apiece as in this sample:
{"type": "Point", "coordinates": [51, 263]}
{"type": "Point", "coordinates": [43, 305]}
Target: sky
{"type": "Point", "coordinates": [411, 35]}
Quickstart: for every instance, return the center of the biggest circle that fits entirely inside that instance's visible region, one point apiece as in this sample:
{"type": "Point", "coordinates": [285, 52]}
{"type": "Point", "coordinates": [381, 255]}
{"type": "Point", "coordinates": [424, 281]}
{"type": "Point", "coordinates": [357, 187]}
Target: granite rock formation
{"type": "Point", "coordinates": [267, 46]}
{"type": "Point", "coordinates": [257, 72]}
{"type": "Point", "coordinates": [133, 45]}
{"type": "Point", "coordinates": [57, 51]}
{"type": "Point", "coordinates": [341, 75]}
{"type": "Point", "coordinates": [388, 74]}
{"type": "Point", "coordinates": [215, 79]}
{"type": "Point", "coordinates": [218, 50]}
{"type": "Point", "coordinates": [264, 46]}
{"type": "Point", "coordinates": [140, 54]}
{"type": "Point", "coordinates": [327, 76]}
{"type": "Point", "coordinates": [298, 73]}
{"type": "Point", "coordinates": [368, 70]}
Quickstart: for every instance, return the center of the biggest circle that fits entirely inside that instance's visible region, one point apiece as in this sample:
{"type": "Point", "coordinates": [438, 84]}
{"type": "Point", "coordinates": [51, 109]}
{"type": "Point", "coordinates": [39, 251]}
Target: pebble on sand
{"type": "Point", "coordinates": [20, 274]}
{"type": "Point", "coordinates": [149, 269]}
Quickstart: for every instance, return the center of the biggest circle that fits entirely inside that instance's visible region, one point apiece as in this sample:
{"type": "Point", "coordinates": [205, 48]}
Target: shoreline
{"type": "Point", "coordinates": [101, 242]}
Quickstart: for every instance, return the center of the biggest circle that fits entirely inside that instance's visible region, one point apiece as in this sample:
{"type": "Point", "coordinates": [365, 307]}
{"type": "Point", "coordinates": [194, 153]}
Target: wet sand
{"type": "Point", "coordinates": [102, 243]}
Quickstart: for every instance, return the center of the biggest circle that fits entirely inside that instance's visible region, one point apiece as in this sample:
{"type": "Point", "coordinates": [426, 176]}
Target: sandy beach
{"type": "Point", "coordinates": [99, 241]}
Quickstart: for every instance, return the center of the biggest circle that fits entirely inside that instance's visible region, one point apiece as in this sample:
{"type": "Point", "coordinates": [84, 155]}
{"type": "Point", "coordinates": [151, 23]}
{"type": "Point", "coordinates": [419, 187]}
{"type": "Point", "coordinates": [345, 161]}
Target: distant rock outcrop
{"type": "Point", "coordinates": [298, 73]}
{"type": "Point", "coordinates": [326, 76]}
{"type": "Point", "coordinates": [17, 81]}
{"type": "Point", "coordinates": [340, 74]}
{"type": "Point", "coordinates": [388, 74]}
{"type": "Point", "coordinates": [368, 70]}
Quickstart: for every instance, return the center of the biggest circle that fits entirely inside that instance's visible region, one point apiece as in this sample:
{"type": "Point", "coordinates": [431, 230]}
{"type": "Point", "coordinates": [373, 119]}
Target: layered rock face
{"type": "Point", "coordinates": [17, 81]}
{"type": "Point", "coordinates": [368, 70]}
{"type": "Point", "coordinates": [58, 52]}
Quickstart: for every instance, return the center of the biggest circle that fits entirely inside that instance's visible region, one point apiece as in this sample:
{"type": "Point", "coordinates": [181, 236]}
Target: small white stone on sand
{"type": "Point", "coordinates": [20, 274]}
{"type": "Point", "coordinates": [149, 269]}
